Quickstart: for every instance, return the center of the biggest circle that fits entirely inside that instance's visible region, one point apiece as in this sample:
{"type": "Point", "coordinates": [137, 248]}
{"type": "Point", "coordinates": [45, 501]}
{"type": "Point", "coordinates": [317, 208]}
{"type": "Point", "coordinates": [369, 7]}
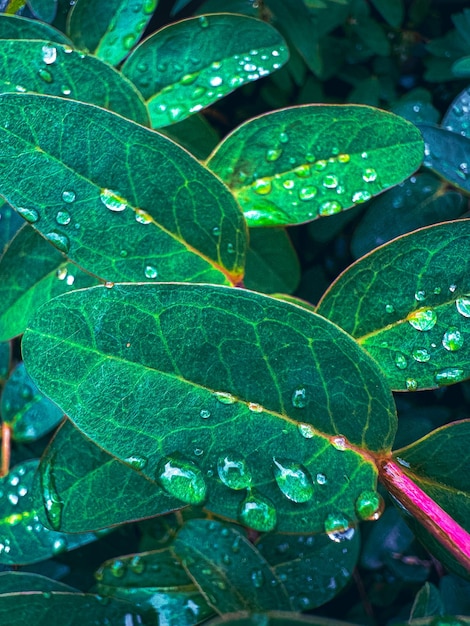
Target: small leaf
{"type": "Point", "coordinates": [300, 163]}
{"type": "Point", "coordinates": [213, 65]}
{"type": "Point", "coordinates": [447, 154]}
{"type": "Point", "coordinates": [191, 359]}
{"type": "Point", "coordinates": [391, 10]}
{"type": "Point", "coordinates": [427, 602]}
{"type": "Point", "coordinates": [32, 271]}
{"type": "Point", "coordinates": [44, 10]}
{"type": "Point", "coordinates": [28, 413]}
{"type": "Point", "coordinates": [461, 67]}
{"type": "Point", "coordinates": [456, 117]}
{"type": "Point", "coordinates": [159, 223]}
{"type": "Point", "coordinates": [15, 27]}
{"type": "Point", "coordinates": [109, 29]}
{"type": "Point", "coordinates": [407, 304]}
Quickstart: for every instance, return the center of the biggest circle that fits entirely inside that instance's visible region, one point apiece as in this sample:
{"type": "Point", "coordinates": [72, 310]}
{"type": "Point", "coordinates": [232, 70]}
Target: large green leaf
{"type": "Point", "coordinates": [447, 154]}
{"type": "Point", "coordinates": [163, 213]}
{"type": "Point", "coordinates": [274, 618]}
{"type": "Point", "coordinates": [407, 303]}
{"type": "Point", "coordinates": [456, 117]}
{"type": "Point", "coordinates": [225, 389]}
{"type": "Point", "coordinates": [23, 538]}
{"type": "Point", "coordinates": [15, 582]}
{"type": "Point", "coordinates": [15, 27]}
{"type": "Point", "coordinates": [32, 272]}
{"type": "Point", "coordinates": [190, 64]}
{"type": "Point", "coordinates": [79, 487]}
{"type": "Point", "coordinates": [309, 161]}
{"type": "Point", "coordinates": [109, 28]}
{"type": "Point", "coordinates": [57, 70]}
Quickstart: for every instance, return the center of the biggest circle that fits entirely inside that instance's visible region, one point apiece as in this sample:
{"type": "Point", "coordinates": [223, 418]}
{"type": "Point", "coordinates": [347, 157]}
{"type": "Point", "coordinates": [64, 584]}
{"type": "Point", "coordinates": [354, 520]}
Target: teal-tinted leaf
{"type": "Point", "coordinates": [407, 304]}
{"type": "Point", "coordinates": [15, 27]}
{"type": "Point", "coordinates": [447, 154]}
{"type": "Point", "coordinates": [23, 538]}
{"type": "Point", "coordinates": [313, 569]}
{"type": "Point", "coordinates": [32, 271]}
{"type": "Point", "coordinates": [417, 111]}
{"type": "Point", "coordinates": [5, 356]}
{"type": "Point", "coordinates": [419, 201]}
{"type": "Point", "coordinates": [57, 70]}
{"type": "Point", "coordinates": [44, 10]}
{"type": "Point", "coordinates": [427, 602]}
{"type": "Point", "coordinates": [455, 594]}
{"type": "Point", "coordinates": [228, 569]}
{"type": "Point", "coordinates": [271, 262]}
{"type": "Point", "coordinates": [456, 118]}
{"type": "Point", "coordinates": [16, 582]}
{"type": "Point", "coordinates": [195, 134]}
{"type": "Point", "coordinates": [158, 222]}
{"type": "Point", "coordinates": [91, 489]}
{"type": "Point", "coordinates": [10, 222]}
{"type": "Point", "coordinates": [29, 414]}
{"type": "Point", "coordinates": [274, 618]}
{"type": "Point", "coordinates": [191, 375]}
{"type": "Point", "coordinates": [461, 67]}
{"type": "Point", "coordinates": [373, 35]}
{"type": "Point", "coordinates": [188, 65]}
{"type": "Point", "coordinates": [391, 10]}
{"type": "Point", "coordinates": [230, 6]}
{"type": "Point", "coordinates": [462, 25]}
{"type": "Point", "coordinates": [304, 162]}
{"type": "Point", "coordinates": [109, 28]}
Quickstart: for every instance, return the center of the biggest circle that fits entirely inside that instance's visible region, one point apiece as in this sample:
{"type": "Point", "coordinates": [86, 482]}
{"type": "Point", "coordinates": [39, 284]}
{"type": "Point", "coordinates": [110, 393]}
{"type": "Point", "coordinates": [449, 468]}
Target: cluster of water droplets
{"type": "Point", "coordinates": [136, 22]}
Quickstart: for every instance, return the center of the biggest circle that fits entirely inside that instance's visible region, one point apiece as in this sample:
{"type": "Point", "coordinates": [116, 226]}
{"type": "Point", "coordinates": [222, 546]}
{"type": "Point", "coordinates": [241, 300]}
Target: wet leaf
{"type": "Point", "coordinates": [213, 64]}
{"type": "Point", "coordinates": [172, 366]}
{"type": "Point", "coordinates": [300, 163]}
{"type": "Point", "coordinates": [29, 414]}
{"type": "Point", "coordinates": [271, 262]}
{"type": "Point", "coordinates": [406, 304]}
{"type": "Point", "coordinates": [57, 70]}
{"type": "Point", "coordinates": [15, 27]}
{"type": "Point", "coordinates": [10, 222]}
{"type": "Point", "coordinates": [447, 154]}
{"type": "Point", "coordinates": [456, 117]}
{"type": "Point", "coordinates": [274, 618]}
{"type": "Point", "coordinates": [15, 582]}
{"type": "Point", "coordinates": [109, 29]}
{"type": "Point", "coordinates": [158, 223]}
{"type": "Point", "coordinates": [44, 10]}
{"type": "Point", "coordinates": [229, 570]}
{"type": "Point", "coordinates": [195, 134]}
{"type": "Point", "coordinates": [23, 538]}
{"type": "Point", "coordinates": [32, 271]}
{"type": "Point", "coordinates": [91, 489]}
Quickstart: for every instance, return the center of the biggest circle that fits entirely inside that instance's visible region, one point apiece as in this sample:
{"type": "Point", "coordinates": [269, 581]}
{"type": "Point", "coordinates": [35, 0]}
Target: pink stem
{"type": "Point", "coordinates": [454, 538]}
{"type": "Point", "coordinates": [5, 449]}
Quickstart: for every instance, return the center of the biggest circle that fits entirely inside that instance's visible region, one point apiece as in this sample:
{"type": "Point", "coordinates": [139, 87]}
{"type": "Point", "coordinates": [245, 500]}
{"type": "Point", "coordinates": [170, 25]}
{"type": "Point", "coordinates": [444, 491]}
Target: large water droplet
{"type": "Point", "coordinates": [117, 568]}
{"type": "Point", "coordinates": [59, 545]}
{"type": "Point", "coordinates": [330, 207]}
{"type": "Point", "coordinates": [136, 461]}
{"type": "Point", "coordinates": [112, 200]}
{"type": "Point", "coordinates": [142, 217]}
{"type": "Point", "coordinates": [452, 339]}
{"type": "Point", "coordinates": [204, 413]}
{"type": "Point", "coordinates": [258, 513]}
{"type": "Point", "coordinates": [361, 196]}
{"type": "Point", "coordinates": [463, 306]}
{"type": "Point", "coordinates": [49, 54]}
{"type": "Point", "coordinates": [337, 528]}
{"type": "Point", "coordinates": [420, 295]}
{"type": "Point", "coordinates": [299, 398]}
{"type": "Point", "coordinates": [63, 218]}
{"type": "Point", "coordinates": [61, 242]}
{"type": "Point", "coordinates": [293, 480]}
{"type": "Point", "coordinates": [421, 355]}
{"type": "Point", "coordinates": [369, 175]}
{"type": "Point", "coordinates": [307, 193]}
{"type": "Point", "coordinates": [233, 471]}
{"type": "Point", "coordinates": [30, 215]}
{"type": "Point", "coordinates": [369, 505]}
{"type": "Point", "coordinates": [449, 375]}
{"type": "Point", "coordinates": [68, 196]}
{"type": "Point", "coordinates": [182, 479]}
{"type": "Point", "coordinates": [273, 154]}
{"type": "Point", "coordinates": [423, 319]}
{"type": "Point", "coordinates": [306, 430]}
{"type": "Point", "coordinates": [262, 186]}
{"type": "Point", "coordinates": [224, 397]}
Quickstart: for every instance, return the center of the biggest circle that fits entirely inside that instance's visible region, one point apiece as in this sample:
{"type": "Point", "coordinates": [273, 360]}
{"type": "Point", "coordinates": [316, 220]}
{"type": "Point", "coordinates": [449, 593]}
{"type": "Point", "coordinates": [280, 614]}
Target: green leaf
{"type": "Point", "coordinates": [163, 212]}
{"type": "Point", "coordinates": [447, 154]}
{"type": "Point", "coordinates": [294, 165]}
{"type": "Point", "coordinates": [373, 35]}
{"type": "Point", "coordinates": [109, 28]}
{"type": "Point", "coordinates": [228, 569]}
{"type": "Point", "coordinates": [5, 356]}
{"type": "Point", "coordinates": [44, 10]}
{"type": "Point", "coordinates": [15, 582]}
{"type": "Point", "coordinates": [29, 414]}
{"type": "Point", "coordinates": [391, 10]}
{"type": "Point", "coordinates": [32, 271]}
{"type": "Point", "coordinates": [427, 602]}
{"type": "Point", "coordinates": [214, 62]}
{"type": "Point", "coordinates": [419, 201]}
{"type": "Point", "coordinates": [23, 538]}
{"type": "Point", "coordinates": [57, 70]}
{"type": "Point", "coordinates": [407, 304]}
{"type": "Point", "coordinates": [461, 67]}
{"type": "Point", "coordinates": [15, 27]}
{"type": "Point", "coordinates": [198, 372]}
{"type": "Point", "coordinates": [90, 489]}
{"type": "Point", "coordinates": [456, 118]}
{"type": "Point", "coordinates": [10, 222]}
{"type": "Point", "coordinates": [313, 569]}
{"type": "Point", "coordinates": [274, 618]}
{"type": "Point", "coordinates": [271, 262]}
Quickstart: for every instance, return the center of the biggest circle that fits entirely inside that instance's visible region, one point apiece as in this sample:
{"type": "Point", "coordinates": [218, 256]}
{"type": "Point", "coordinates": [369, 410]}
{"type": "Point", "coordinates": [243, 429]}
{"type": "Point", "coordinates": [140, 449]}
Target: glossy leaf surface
{"type": "Point", "coordinates": [23, 538]}
{"type": "Point", "coordinates": [44, 10]}
{"type": "Point", "coordinates": [13, 582]}
{"type": "Point", "coordinates": [229, 570]}
{"type": "Point", "coordinates": [300, 163]}
{"type": "Point", "coordinates": [211, 62]}
{"type": "Point", "coordinates": [57, 70]}
{"type": "Point", "coordinates": [274, 618]}
{"type": "Point", "coordinates": [229, 362]}
{"type": "Point", "coordinates": [407, 304]}
{"type": "Point", "coordinates": [29, 414]}
{"type": "Point", "coordinates": [109, 28]}
{"type": "Point", "coordinates": [271, 262]}
{"type": "Point", "coordinates": [159, 222]}
{"type": "Point", "coordinates": [195, 134]}
{"type": "Point", "coordinates": [15, 27]}
{"type": "Point", "coordinates": [427, 602]}
{"type": "Point", "coordinates": [456, 117]}
{"type": "Point", "coordinates": [447, 154]}
{"type": "Point", "coordinates": [32, 271]}
{"type": "Point", "coordinates": [91, 489]}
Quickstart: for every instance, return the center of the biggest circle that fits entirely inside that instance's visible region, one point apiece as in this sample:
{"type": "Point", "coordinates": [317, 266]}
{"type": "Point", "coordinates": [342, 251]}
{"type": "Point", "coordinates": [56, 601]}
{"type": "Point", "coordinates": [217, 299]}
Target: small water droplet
{"type": "Point", "coordinates": [49, 54]}
{"type": "Point", "coordinates": [204, 413]}
{"type": "Point", "coordinates": [411, 384]}
{"type": "Point", "coordinates": [257, 578]}
{"type": "Point", "coordinates": [330, 207]}
{"type": "Point", "coordinates": [59, 545]}
{"type": "Point", "coordinates": [338, 529]}
{"type": "Point", "coordinates": [63, 218]}
{"type": "Point", "coordinates": [293, 480]}
{"type": "Point", "coordinates": [452, 339]}
{"type": "Point", "coordinates": [273, 154]}
{"type": "Point", "coordinates": [307, 193]}
{"type": "Point", "coordinates": [361, 196]}
{"type": "Point", "coordinates": [216, 81]}
{"type": "Point", "coordinates": [330, 181]}
{"type": "Point", "coordinates": [449, 375]}
{"type": "Point", "coordinates": [128, 41]}
{"type": "Point", "coordinates": [30, 215]}
{"type": "Point", "coordinates": [142, 217]}
{"type": "Point", "coordinates": [61, 242]}
{"type": "Point", "coordinates": [299, 398]}
{"type": "Point", "coordinates": [216, 231]}
{"type": "Point", "coordinates": [423, 319]}
{"type": "Point", "coordinates": [256, 408]}
{"type": "Point", "coordinates": [112, 200]}
{"type": "Point", "coordinates": [339, 442]}
{"type": "Point", "coordinates": [150, 272]}
{"type": "Point", "coordinates": [283, 137]}
{"type": "Point", "coordinates": [224, 397]}
{"type": "Point", "coordinates": [452, 288]}
{"type": "Point", "coordinates": [389, 308]}
{"type": "Point", "coordinates": [369, 175]}
{"type": "Point", "coordinates": [306, 430]}
{"type": "Point", "coordinates": [343, 158]}
{"type": "Point", "coordinates": [400, 361]}
{"type": "Point", "coordinates": [321, 479]}
{"type": "Point", "coordinates": [288, 184]}
{"type": "Point", "coordinates": [420, 295]}
{"type": "Point", "coordinates": [13, 498]}
{"type": "Point", "coordinates": [68, 196]}
{"type": "Point", "coordinates": [262, 186]}
{"type": "Point", "coordinates": [364, 155]}
{"type": "Point", "coordinates": [117, 568]}
{"type": "Point", "coordinates": [258, 513]}
{"type": "Point", "coordinates": [203, 21]}
{"type": "Point", "coordinates": [421, 355]}
{"type": "Point", "coordinates": [45, 75]}
{"type": "Point", "coordinates": [182, 479]}
{"type": "Point", "coordinates": [233, 471]}
{"type": "Point", "coordinates": [302, 171]}
{"type": "Point", "coordinates": [61, 273]}
{"type": "Point", "coordinates": [136, 461]}
{"type": "Point", "coordinates": [137, 564]}
{"type": "Point", "coordinates": [463, 306]}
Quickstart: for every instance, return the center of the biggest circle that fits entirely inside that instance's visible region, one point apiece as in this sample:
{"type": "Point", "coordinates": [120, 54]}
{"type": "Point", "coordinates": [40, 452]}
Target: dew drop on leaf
{"type": "Point", "coordinates": [302, 171]}
{"type": "Point", "coordinates": [59, 545]}
{"type": "Point", "coordinates": [53, 503]}
{"type": "Point", "coordinates": [452, 339]}
{"type": "Point", "coordinates": [45, 75]}
{"type": "Point", "coordinates": [61, 242]}
{"type": "Point", "coordinates": [293, 480]}
{"type": "Point", "coordinates": [273, 154]}
{"type": "Point", "coordinates": [182, 479]}
{"type": "Point", "coordinates": [142, 217]}
{"type": "Point", "coordinates": [321, 479]}
{"type": "Point", "coordinates": [189, 79]}
{"type": "Point", "coordinates": [423, 319]}
{"type": "Point", "coordinates": [361, 196]}
{"type": "Point", "coordinates": [329, 207]}
{"type": "Point", "coordinates": [411, 384]}
{"type": "Point", "coordinates": [421, 355]}
{"type": "Point", "coordinates": [389, 308]}
{"type": "Point", "coordinates": [137, 564]}
{"type": "Point", "coordinates": [307, 193]}
{"type": "Point", "coordinates": [420, 295]}
{"type": "Point", "coordinates": [262, 186]}
{"type": "Point", "coordinates": [369, 505]}
{"type": "Point", "coordinates": [288, 184]}
{"type": "Point", "coordinates": [463, 306]}
{"type": "Point", "coordinates": [257, 578]}
{"type": "Point", "coordinates": [258, 513]}
{"type": "Point", "coordinates": [203, 21]}
{"type": "Point", "coordinates": [150, 272]}
{"type": "Point", "coordinates": [204, 413]}
{"type": "Point", "coordinates": [369, 175]}
{"type": "Point", "coordinates": [400, 361]}
{"type": "Point", "coordinates": [344, 158]}
{"type": "Point", "coordinates": [306, 430]}
{"type": "Point", "coordinates": [330, 181]}
{"type": "Point", "coordinates": [449, 375]}
{"type": "Point", "coordinates": [63, 218]}
{"type": "Point", "coordinates": [68, 196]}
{"type": "Point", "coordinates": [255, 408]}
{"type": "Point", "coordinates": [136, 461]}
{"type": "Point", "coordinates": [224, 397]}
{"type": "Point", "coordinates": [337, 528]}
{"type": "Point", "coordinates": [118, 568]}
{"type": "Point", "coordinates": [299, 398]}
{"type": "Point", "coordinates": [30, 215]}
{"type": "Point", "coordinates": [112, 200]}
{"type": "Point", "coordinates": [49, 54]}
{"type": "Point", "coordinates": [233, 471]}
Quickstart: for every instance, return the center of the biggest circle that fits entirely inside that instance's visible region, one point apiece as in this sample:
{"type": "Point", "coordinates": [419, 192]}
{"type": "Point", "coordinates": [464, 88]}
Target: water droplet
{"type": "Point", "coordinates": [216, 231]}
{"type": "Point", "coordinates": [136, 461]}
{"type": "Point", "coordinates": [330, 207]}
{"type": "Point", "coordinates": [230, 248]}
{"type": "Point", "coordinates": [224, 397]}
{"type": "Point", "coordinates": [293, 480]}
{"type": "Point", "coordinates": [142, 217]}
{"type": "Point", "coordinates": [338, 529]}
{"type": "Point", "coordinates": [149, 6]}
{"type": "Point", "coordinates": [61, 242]}
{"type": "Point", "coordinates": [128, 41]}
{"type": "Point", "coordinates": [49, 54]}
{"type": "Point", "coordinates": [369, 175]}
{"type": "Point", "coordinates": [150, 272]}
{"type": "Point", "coordinates": [257, 578]}
{"type": "Point", "coordinates": [452, 288]}
{"type": "Point", "coordinates": [452, 339]}
{"type": "Point", "coordinates": [204, 413]}
{"type": "Point", "coordinates": [262, 186]}
{"type": "Point", "coordinates": [321, 479]}
{"type": "Point", "coordinates": [361, 196]}
{"type": "Point", "coordinates": [288, 184]}
{"type": "Point", "coordinates": [400, 361]}
{"type": "Point", "coordinates": [389, 308]}
{"type": "Point", "coordinates": [423, 319]}
{"type": "Point", "coordinates": [299, 398]}
{"type": "Point", "coordinates": [256, 408]}
{"type": "Point", "coordinates": [118, 568]}
{"type": "Point", "coordinates": [339, 442]}
{"type": "Point", "coordinates": [59, 545]}
{"type": "Point", "coordinates": [53, 504]}
{"type": "Point", "coordinates": [421, 355]}
{"type": "Point", "coordinates": [112, 200]}
{"type": "Point", "coordinates": [364, 155]}
{"type": "Point", "coordinates": [249, 67]}
{"type": "Point", "coordinates": [463, 306]}
{"type": "Point", "coordinates": [411, 384]}
{"type": "Point", "coordinates": [330, 181]}
{"type": "Point", "coordinates": [420, 295]}
{"type": "Point", "coordinates": [343, 158]}
{"type": "Point", "coordinates": [137, 564]}
{"type": "Point", "coordinates": [45, 75]}
{"type": "Point", "coordinates": [61, 273]}
{"type": "Point", "coordinates": [273, 155]}
{"type": "Point", "coordinates": [302, 171]}
{"type": "Point", "coordinates": [449, 375]}
{"type": "Point", "coordinates": [283, 137]}
{"type": "Point", "coordinates": [307, 193]}
{"type": "Point", "coordinates": [13, 498]}
{"type": "Point", "coordinates": [31, 215]}
{"type": "Point", "coordinates": [306, 430]}
{"type": "Point", "coordinates": [63, 218]}
{"type": "Point", "coordinates": [198, 451]}
{"type": "Point", "coordinates": [258, 513]}
{"type": "Point", "coordinates": [233, 471]}
{"type": "Point", "coordinates": [216, 81]}
{"type": "Point", "coordinates": [203, 21]}
{"type": "Point", "coordinates": [68, 196]}
{"type": "Point", "coordinates": [182, 479]}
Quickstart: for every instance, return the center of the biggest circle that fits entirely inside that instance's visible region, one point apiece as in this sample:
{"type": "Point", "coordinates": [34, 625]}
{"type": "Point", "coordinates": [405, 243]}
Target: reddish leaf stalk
{"type": "Point", "coordinates": [6, 447]}
{"type": "Point", "coordinates": [454, 538]}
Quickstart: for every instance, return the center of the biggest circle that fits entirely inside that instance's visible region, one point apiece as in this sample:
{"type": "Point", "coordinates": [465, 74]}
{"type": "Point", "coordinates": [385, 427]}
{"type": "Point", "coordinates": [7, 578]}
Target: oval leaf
{"type": "Point", "coordinates": [189, 376]}
{"type": "Point", "coordinates": [44, 10]}
{"type": "Point", "coordinates": [447, 154]}
{"type": "Point", "coordinates": [15, 27]}
{"type": "Point", "coordinates": [456, 118]}
{"type": "Point", "coordinates": [163, 213]}
{"type": "Point", "coordinates": [408, 304]}
{"type": "Point", "coordinates": [215, 62]}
